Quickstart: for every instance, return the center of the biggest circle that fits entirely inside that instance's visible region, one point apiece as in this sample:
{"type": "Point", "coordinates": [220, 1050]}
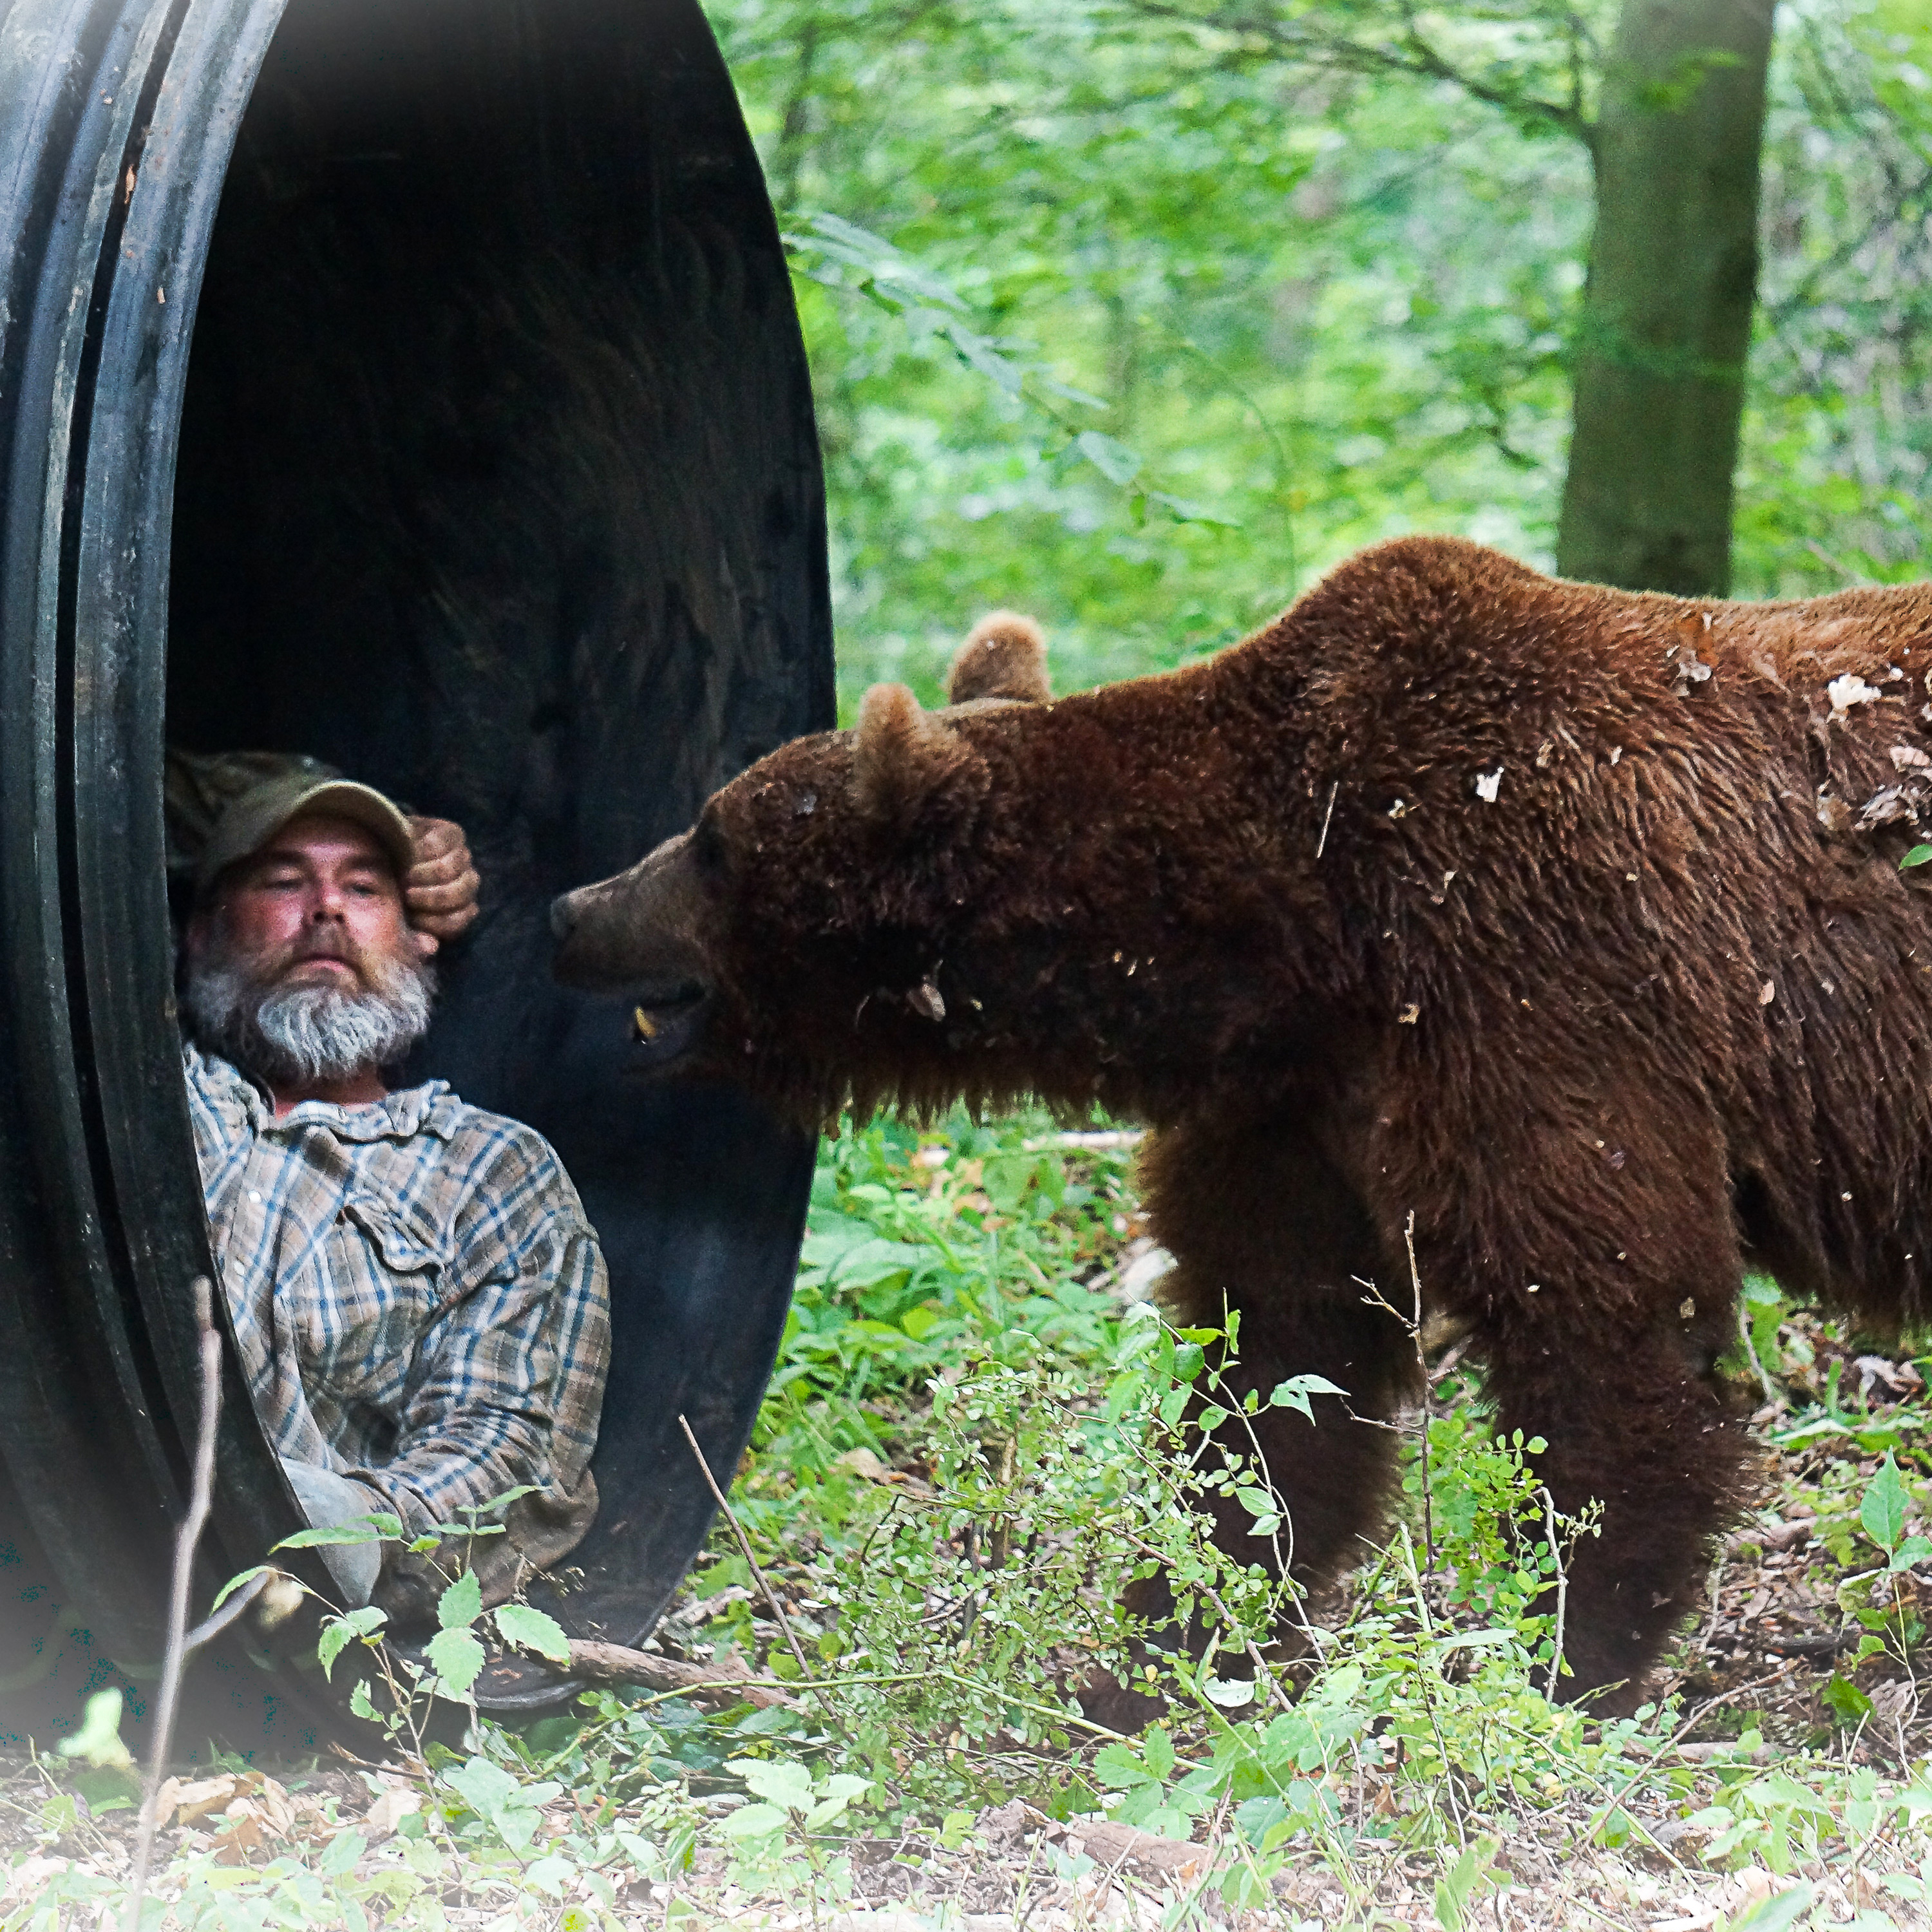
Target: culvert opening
{"type": "Point", "coordinates": [497, 487]}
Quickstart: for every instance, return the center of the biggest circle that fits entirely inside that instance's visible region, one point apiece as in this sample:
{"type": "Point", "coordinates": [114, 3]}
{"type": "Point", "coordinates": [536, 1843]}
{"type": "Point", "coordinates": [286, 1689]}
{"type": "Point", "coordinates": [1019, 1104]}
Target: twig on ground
{"type": "Point", "coordinates": [200, 1498]}
{"type": "Point", "coordinates": [1422, 1684]}
{"type": "Point", "coordinates": [1422, 1363]}
{"type": "Point", "coordinates": [1714, 1590]}
{"type": "Point", "coordinates": [1412, 1324]}
{"type": "Point", "coordinates": [744, 1544]}
{"type": "Point", "coordinates": [618, 1664]}
{"type": "Point", "coordinates": [1772, 1393]}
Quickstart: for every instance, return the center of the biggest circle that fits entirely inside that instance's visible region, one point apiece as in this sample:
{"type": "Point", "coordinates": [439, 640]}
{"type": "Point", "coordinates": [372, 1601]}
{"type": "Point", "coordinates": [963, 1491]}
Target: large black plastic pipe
{"type": "Point", "coordinates": [419, 387]}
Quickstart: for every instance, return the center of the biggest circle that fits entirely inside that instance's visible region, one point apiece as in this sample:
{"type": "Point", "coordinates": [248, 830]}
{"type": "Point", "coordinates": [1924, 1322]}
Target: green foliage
{"type": "Point", "coordinates": [1139, 316]}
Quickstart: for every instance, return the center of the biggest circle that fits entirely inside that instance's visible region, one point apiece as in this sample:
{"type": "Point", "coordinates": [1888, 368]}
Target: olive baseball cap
{"type": "Point", "coordinates": [253, 818]}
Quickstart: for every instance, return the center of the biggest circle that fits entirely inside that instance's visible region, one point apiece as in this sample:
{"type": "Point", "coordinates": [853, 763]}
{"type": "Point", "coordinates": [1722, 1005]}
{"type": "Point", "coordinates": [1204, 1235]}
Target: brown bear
{"type": "Point", "coordinates": [1568, 920]}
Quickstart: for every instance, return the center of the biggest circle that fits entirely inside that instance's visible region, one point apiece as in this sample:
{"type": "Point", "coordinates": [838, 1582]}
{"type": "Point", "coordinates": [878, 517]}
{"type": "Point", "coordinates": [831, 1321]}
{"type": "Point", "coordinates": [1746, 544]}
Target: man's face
{"type": "Point", "coordinates": [318, 905]}
{"type": "Point", "coordinates": [301, 966]}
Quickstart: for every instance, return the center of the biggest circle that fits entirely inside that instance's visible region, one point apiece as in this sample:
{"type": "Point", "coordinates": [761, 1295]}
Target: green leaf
{"type": "Point", "coordinates": [776, 1780]}
{"type": "Point", "coordinates": [551, 1874]}
{"type": "Point", "coordinates": [360, 1705]}
{"type": "Point", "coordinates": [1463, 1884]}
{"type": "Point", "coordinates": [529, 1628]}
{"type": "Point", "coordinates": [1918, 855]}
{"type": "Point", "coordinates": [1119, 1767]}
{"type": "Point", "coordinates": [1294, 1393]}
{"type": "Point", "coordinates": [111, 1788]}
{"type": "Point", "coordinates": [97, 1742]}
{"type": "Point", "coordinates": [234, 1583]}
{"type": "Point", "coordinates": [1185, 510]}
{"type": "Point", "coordinates": [754, 1821]}
{"type": "Point", "coordinates": [337, 1633]}
{"type": "Point", "coordinates": [513, 1810]}
{"type": "Point", "coordinates": [1848, 1705]}
{"type": "Point", "coordinates": [457, 1658]}
{"type": "Point", "coordinates": [377, 1527]}
{"type": "Point", "coordinates": [339, 1857]}
{"type": "Point", "coordinates": [1157, 1753]}
{"type": "Point", "coordinates": [1882, 1510]}
{"type": "Point", "coordinates": [1114, 461]}
{"type": "Point", "coordinates": [461, 1604]}
{"type": "Point", "coordinates": [1230, 1693]}
{"type": "Point", "coordinates": [1775, 1913]}
{"type": "Point", "coordinates": [484, 1786]}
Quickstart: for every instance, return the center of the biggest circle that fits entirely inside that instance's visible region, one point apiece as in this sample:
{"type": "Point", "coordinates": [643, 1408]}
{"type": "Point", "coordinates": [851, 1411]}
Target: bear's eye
{"type": "Point", "coordinates": [707, 846]}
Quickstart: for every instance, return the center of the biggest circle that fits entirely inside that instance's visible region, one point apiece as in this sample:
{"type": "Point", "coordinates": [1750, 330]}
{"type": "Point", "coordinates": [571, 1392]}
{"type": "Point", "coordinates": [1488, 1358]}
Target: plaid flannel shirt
{"type": "Point", "coordinates": [419, 1302]}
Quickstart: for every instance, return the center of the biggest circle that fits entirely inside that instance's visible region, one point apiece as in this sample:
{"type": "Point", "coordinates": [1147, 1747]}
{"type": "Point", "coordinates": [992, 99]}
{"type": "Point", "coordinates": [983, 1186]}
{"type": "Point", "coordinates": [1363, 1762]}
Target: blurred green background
{"type": "Point", "coordinates": [1139, 316]}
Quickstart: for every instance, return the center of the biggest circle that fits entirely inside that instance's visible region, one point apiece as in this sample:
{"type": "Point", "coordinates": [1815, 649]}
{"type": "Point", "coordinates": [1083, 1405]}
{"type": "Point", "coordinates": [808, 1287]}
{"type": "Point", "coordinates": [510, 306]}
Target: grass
{"type": "Point", "coordinates": [966, 1454]}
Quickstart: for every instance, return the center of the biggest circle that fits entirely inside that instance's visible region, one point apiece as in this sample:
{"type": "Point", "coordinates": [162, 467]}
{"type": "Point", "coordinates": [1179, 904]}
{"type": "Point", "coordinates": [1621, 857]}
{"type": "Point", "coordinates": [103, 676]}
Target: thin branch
{"type": "Point", "coordinates": [1413, 56]}
{"type": "Point", "coordinates": [1562, 1591]}
{"type": "Point", "coordinates": [1771, 1392]}
{"type": "Point", "coordinates": [1421, 1362]}
{"type": "Point", "coordinates": [744, 1543]}
{"type": "Point", "coordinates": [200, 1498]}
{"type": "Point", "coordinates": [618, 1664]}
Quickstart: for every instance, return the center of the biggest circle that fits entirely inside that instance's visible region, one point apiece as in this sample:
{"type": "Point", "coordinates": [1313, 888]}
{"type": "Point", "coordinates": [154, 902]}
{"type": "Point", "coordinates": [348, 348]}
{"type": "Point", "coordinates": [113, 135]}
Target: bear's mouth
{"type": "Point", "coordinates": [666, 1024]}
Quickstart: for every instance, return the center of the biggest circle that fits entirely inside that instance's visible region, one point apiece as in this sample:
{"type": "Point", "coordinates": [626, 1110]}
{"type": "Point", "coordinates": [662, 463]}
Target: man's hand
{"type": "Point", "coordinates": [439, 895]}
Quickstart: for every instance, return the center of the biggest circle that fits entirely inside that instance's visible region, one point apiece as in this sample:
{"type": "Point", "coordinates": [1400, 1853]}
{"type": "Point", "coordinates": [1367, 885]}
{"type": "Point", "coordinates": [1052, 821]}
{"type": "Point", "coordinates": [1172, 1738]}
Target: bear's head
{"type": "Point", "coordinates": [795, 936]}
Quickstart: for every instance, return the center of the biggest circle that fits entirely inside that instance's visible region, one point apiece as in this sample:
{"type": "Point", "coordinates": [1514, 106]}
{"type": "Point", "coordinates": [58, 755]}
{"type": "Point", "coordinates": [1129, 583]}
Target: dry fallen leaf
{"type": "Point", "coordinates": [195, 1801]}
{"type": "Point", "coordinates": [395, 1804]}
{"type": "Point", "coordinates": [864, 1463]}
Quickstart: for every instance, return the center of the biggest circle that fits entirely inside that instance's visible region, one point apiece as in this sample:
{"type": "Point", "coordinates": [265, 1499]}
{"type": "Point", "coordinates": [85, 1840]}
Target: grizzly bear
{"type": "Point", "coordinates": [1569, 921]}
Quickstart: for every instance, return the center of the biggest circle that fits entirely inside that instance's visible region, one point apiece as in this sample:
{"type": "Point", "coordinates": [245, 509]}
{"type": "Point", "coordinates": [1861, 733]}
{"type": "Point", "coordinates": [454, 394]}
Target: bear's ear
{"type": "Point", "coordinates": [1004, 656]}
{"type": "Point", "coordinates": [909, 767]}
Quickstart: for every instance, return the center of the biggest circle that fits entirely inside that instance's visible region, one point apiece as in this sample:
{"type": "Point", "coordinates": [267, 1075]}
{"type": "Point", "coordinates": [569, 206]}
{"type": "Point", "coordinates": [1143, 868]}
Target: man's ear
{"type": "Point", "coordinates": [1004, 656]}
{"type": "Point", "coordinates": [911, 769]}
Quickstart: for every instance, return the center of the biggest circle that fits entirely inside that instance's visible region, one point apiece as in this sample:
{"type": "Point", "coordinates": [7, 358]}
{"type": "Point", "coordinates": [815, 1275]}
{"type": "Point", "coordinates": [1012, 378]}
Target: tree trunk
{"type": "Point", "coordinates": [1667, 313]}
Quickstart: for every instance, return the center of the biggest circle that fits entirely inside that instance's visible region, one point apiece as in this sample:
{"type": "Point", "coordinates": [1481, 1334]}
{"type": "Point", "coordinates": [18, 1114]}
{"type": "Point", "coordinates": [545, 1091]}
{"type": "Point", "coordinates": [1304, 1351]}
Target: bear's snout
{"type": "Point", "coordinates": [562, 917]}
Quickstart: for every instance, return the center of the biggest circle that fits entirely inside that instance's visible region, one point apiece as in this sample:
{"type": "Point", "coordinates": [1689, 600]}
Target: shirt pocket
{"type": "Point", "coordinates": [379, 1280]}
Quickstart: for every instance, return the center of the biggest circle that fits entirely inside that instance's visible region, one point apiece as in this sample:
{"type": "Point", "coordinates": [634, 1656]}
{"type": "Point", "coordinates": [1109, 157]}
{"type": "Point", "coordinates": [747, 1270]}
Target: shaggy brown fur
{"type": "Point", "coordinates": [1568, 920]}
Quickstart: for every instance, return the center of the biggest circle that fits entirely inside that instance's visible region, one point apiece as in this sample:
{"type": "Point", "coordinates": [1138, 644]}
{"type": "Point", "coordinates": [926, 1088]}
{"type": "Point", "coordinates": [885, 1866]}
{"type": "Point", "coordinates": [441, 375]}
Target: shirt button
{"type": "Point", "coordinates": [254, 1197]}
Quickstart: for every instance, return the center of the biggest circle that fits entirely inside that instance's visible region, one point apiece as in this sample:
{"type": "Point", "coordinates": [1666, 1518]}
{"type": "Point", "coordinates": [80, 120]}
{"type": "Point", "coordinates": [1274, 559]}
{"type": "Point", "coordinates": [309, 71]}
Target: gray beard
{"type": "Point", "coordinates": [303, 1036]}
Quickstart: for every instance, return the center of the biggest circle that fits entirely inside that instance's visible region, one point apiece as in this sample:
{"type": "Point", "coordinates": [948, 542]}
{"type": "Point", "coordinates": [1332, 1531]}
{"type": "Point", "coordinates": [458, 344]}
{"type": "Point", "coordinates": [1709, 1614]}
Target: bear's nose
{"type": "Point", "coordinates": [562, 919]}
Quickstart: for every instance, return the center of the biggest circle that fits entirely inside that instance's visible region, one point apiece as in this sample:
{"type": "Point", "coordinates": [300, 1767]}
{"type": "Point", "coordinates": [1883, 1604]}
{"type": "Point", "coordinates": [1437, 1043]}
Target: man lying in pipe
{"type": "Point", "coordinates": [420, 1305]}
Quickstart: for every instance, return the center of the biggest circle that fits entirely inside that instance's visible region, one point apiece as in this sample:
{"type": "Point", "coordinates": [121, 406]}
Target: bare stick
{"type": "Point", "coordinates": [1771, 1391]}
{"type": "Point", "coordinates": [1562, 1591]}
{"type": "Point", "coordinates": [1321, 842]}
{"type": "Point", "coordinates": [200, 1495]}
{"type": "Point", "coordinates": [1422, 1363]}
{"type": "Point", "coordinates": [751, 1561]}
{"type": "Point", "coordinates": [617, 1664]}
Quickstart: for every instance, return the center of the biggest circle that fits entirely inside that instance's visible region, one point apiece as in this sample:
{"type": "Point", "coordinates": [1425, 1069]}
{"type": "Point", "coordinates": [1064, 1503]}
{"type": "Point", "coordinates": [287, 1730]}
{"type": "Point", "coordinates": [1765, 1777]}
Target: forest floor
{"type": "Point", "coordinates": [1418, 1776]}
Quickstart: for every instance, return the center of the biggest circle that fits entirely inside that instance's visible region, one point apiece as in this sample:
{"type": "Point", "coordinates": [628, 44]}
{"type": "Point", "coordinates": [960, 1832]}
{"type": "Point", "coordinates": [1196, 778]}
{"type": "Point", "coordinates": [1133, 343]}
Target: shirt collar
{"type": "Point", "coordinates": [429, 1109]}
